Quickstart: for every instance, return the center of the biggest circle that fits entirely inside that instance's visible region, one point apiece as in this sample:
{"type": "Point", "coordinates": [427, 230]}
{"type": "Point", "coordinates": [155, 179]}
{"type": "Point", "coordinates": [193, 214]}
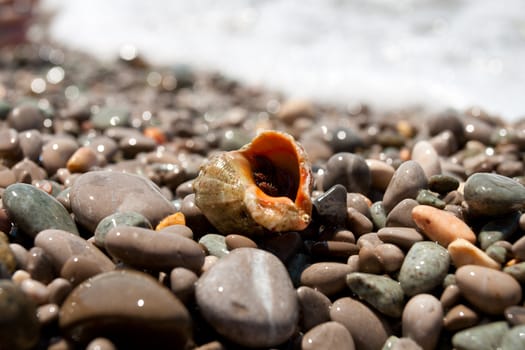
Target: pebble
{"type": "Point", "coordinates": [47, 314]}
{"type": "Point", "coordinates": [403, 237]}
{"type": "Point", "coordinates": [426, 265]}
{"type": "Point", "coordinates": [82, 160]}
{"type": "Point", "coordinates": [60, 246]}
{"type": "Point", "coordinates": [442, 184]}
{"type": "Point", "coordinates": [20, 254]}
{"type": "Point", "coordinates": [484, 337]}
{"type": "Point", "coordinates": [462, 252]}
{"type": "Point", "coordinates": [499, 229]}
{"type": "Point", "coordinates": [256, 306]}
{"type": "Point", "coordinates": [59, 288]}
{"type": "Point", "coordinates": [518, 248]}
{"type": "Point", "coordinates": [331, 206]}
{"type": "Point", "coordinates": [314, 307]}
{"type": "Point", "coordinates": [35, 290]}
{"type": "Point", "coordinates": [422, 320]}
{"type": "Point", "coordinates": [515, 315]}
{"type": "Point", "coordinates": [390, 256]}
{"type": "Point", "coordinates": [181, 230]}
{"type": "Point", "coordinates": [358, 223]}
{"type": "Point", "coordinates": [31, 142]}
{"type": "Point", "coordinates": [380, 172]}
{"type": "Point", "coordinates": [10, 151]}
{"type": "Point", "coordinates": [368, 330]}
{"type": "Point", "coordinates": [108, 117]}
{"type": "Point", "coordinates": [493, 194]}
{"type": "Point", "coordinates": [427, 197]}
{"type": "Point", "coordinates": [98, 194]}
{"type": "Point", "coordinates": [25, 116]}
{"type": "Point", "coordinates": [424, 153]}
{"type": "Point", "coordinates": [28, 171]}
{"type": "Point", "coordinates": [33, 210]}
{"type": "Point", "coordinates": [395, 343]}
{"type": "Point", "coordinates": [401, 214]}
{"type": "Point", "coordinates": [119, 219]}
{"type": "Point", "coordinates": [20, 328]}
{"type": "Point", "coordinates": [101, 344]}
{"type": "Point", "coordinates": [378, 215]}
{"type": "Point", "coordinates": [349, 170]}
{"type": "Point", "coordinates": [56, 153]}
{"type": "Point", "coordinates": [285, 246]}
{"type": "Point", "coordinates": [237, 241]}
{"type": "Point", "coordinates": [460, 317]}
{"type": "Point", "coordinates": [487, 289]}
{"type": "Point", "coordinates": [153, 250]}
{"type": "Point", "coordinates": [7, 257]}
{"type": "Point", "coordinates": [408, 179]}
{"type": "Point", "coordinates": [182, 283]}
{"type": "Point", "coordinates": [328, 278]}
{"type": "Point", "coordinates": [450, 296]}
{"type": "Point", "coordinates": [215, 244]}
{"type": "Point", "coordinates": [173, 219]}
{"type": "Point", "coordinates": [39, 265]}
{"type": "Point", "coordinates": [382, 292]}
{"type": "Point", "coordinates": [145, 315]}
{"type": "Point", "coordinates": [441, 226]}
{"type": "Point", "coordinates": [514, 339]}
{"type": "Point", "coordinates": [517, 271]}
{"type": "Point", "coordinates": [328, 336]}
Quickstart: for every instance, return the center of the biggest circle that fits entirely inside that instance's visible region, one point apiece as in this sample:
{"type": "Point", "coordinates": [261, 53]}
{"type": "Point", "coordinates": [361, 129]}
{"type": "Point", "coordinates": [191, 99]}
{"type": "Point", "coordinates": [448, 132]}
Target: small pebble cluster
{"type": "Point", "coordinates": [415, 239]}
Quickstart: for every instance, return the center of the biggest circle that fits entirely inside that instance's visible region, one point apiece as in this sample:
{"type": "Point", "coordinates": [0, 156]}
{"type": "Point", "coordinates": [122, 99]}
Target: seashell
{"type": "Point", "coordinates": [265, 185]}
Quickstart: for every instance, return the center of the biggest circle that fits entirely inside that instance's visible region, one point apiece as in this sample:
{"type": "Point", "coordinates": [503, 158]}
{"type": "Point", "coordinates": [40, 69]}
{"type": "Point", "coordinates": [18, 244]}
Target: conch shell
{"type": "Point", "coordinates": [265, 185]}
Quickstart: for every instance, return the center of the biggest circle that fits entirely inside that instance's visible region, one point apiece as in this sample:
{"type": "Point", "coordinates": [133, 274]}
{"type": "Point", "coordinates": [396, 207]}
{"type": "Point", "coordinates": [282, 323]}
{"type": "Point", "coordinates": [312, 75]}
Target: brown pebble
{"type": "Point", "coordinates": [314, 307]}
{"type": "Point", "coordinates": [328, 336]}
{"type": "Point", "coordinates": [209, 261]}
{"type": "Point", "coordinates": [59, 289]}
{"type": "Point", "coordinates": [238, 241]}
{"type": "Point", "coordinates": [21, 255]}
{"type": "Point", "coordinates": [182, 283]}
{"type": "Point", "coordinates": [490, 290]}
{"type": "Point", "coordinates": [403, 237]}
{"type": "Point", "coordinates": [369, 262]}
{"type": "Point", "coordinates": [441, 226]}
{"type": "Point", "coordinates": [328, 278]}
{"type": "Point", "coordinates": [390, 256]}
{"type": "Point", "coordinates": [334, 249]}
{"type": "Point", "coordinates": [56, 153]}
{"type": "Point", "coordinates": [214, 345]}
{"type": "Point", "coordinates": [401, 214]}
{"type": "Point", "coordinates": [36, 291]}
{"type": "Point", "coordinates": [344, 236]}
{"type": "Point", "coordinates": [182, 230]}
{"type": "Point", "coordinates": [460, 317]}
{"type": "Point", "coordinates": [359, 202]}
{"type": "Point", "coordinates": [380, 172]}
{"type": "Point", "coordinates": [422, 320]}
{"type": "Point", "coordinates": [450, 296]}
{"type": "Point", "coordinates": [425, 154]}
{"type": "Point", "coordinates": [39, 265]}
{"type": "Point", "coordinates": [367, 328]}
{"type": "Point", "coordinates": [357, 222]}
{"type": "Point", "coordinates": [79, 268]}
{"type": "Point", "coordinates": [47, 313]}
{"type": "Point", "coordinates": [101, 344]}
{"type": "Point", "coordinates": [82, 160]}
{"type": "Point", "coordinates": [515, 315]}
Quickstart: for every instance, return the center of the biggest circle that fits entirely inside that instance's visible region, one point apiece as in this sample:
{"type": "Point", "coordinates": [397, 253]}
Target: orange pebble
{"type": "Point", "coordinates": [462, 252]}
{"type": "Point", "coordinates": [156, 134]}
{"type": "Point", "coordinates": [512, 262]}
{"type": "Point", "coordinates": [173, 219]}
{"type": "Point", "coordinates": [441, 226]}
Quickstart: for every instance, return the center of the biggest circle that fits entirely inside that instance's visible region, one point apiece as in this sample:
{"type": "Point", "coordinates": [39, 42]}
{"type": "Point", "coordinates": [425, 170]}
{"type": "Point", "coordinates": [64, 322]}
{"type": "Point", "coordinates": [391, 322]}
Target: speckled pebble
{"type": "Point", "coordinates": [514, 339]}
{"type": "Point", "coordinates": [426, 265]}
{"type": "Point", "coordinates": [484, 337]}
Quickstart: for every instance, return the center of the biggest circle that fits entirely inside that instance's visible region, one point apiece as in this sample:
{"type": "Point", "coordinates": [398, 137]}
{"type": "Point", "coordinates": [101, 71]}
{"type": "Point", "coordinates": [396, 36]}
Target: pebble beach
{"type": "Point", "coordinates": [410, 232]}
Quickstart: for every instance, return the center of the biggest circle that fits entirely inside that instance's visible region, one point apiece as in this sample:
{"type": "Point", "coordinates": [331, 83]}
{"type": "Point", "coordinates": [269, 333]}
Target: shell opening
{"type": "Point", "coordinates": [275, 180]}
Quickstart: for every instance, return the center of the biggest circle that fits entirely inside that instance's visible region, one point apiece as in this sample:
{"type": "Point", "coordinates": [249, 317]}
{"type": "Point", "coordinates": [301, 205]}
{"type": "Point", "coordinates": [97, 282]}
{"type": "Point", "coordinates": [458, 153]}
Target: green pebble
{"type": "Point", "coordinates": [378, 214]}
{"type": "Point", "coordinates": [517, 271]}
{"type": "Point", "coordinates": [424, 268]}
{"type": "Point", "coordinates": [498, 230]}
{"type": "Point", "coordinates": [119, 219]}
{"type": "Point", "coordinates": [442, 183]}
{"type": "Point", "coordinates": [497, 252]}
{"type": "Point", "coordinates": [485, 337]}
{"type": "Point", "coordinates": [215, 244]}
{"type": "Point", "coordinates": [5, 107]}
{"type": "Point", "coordinates": [514, 339]}
{"type": "Point", "coordinates": [382, 292]}
{"type": "Point", "coordinates": [426, 197]}
{"type": "Point", "coordinates": [450, 279]}
{"type": "Point", "coordinates": [108, 117]}
{"type": "Point", "coordinates": [33, 210]}
{"type": "Point", "coordinates": [493, 194]}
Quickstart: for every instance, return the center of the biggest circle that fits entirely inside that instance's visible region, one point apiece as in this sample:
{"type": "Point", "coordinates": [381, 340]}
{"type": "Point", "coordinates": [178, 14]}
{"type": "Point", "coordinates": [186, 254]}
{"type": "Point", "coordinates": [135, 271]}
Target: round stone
{"type": "Point", "coordinates": [422, 320]}
{"type": "Point", "coordinates": [426, 265]}
{"type": "Point", "coordinates": [492, 291]}
{"type": "Point", "coordinates": [33, 210]}
{"type": "Point", "coordinates": [408, 179]}
{"type": "Point", "coordinates": [493, 194]}
{"type": "Point", "coordinates": [19, 327]}
{"type": "Point", "coordinates": [26, 116]}
{"type": "Point", "coordinates": [328, 278]}
{"type": "Point", "coordinates": [135, 310]}
{"type": "Point", "coordinates": [315, 307]}
{"type": "Point", "coordinates": [98, 194]}
{"type": "Point", "coordinates": [484, 337]}
{"type": "Point", "coordinates": [424, 153]}
{"type": "Point", "coordinates": [349, 170]}
{"type": "Point", "coordinates": [153, 250]}
{"type": "Point", "coordinates": [329, 335]}
{"type": "Point", "coordinates": [248, 297]}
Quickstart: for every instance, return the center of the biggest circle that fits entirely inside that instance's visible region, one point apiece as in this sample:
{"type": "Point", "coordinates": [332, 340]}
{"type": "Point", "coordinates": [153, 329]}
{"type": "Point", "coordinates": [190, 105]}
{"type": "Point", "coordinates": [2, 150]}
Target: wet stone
{"type": "Point", "coordinates": [109, 117]}
{"type": "Point", "coordinates": [357, 222]}
{"type": "Point", "coordinates": [484, 337]}
{"type": "Point", "coordinates": [327, 277]}
{"type": "Point", "coordinates": [256, 306]}
{"type": "Point", "coordinates": [368, 330]}
{"type": "Point", "coordinates": [450, 296]}
{"type": "Point", "coordinates": [514, 339]}
{"type": "Point", "coordinates": [56, 153]}
{"type": "Point", "coordinates": [493, 194]}
{"type": "Point", "coordinates": [408, 179]}
{"type": "Point", "coordinates": [182, 283]}
{"type": "Point", "coordinates": [20, 328]}
{"type": "Point", "coordinates": [98, 194]}
{"type": "Point", "coordinates": [490, 290]}
{"type": "Point", "coordinates": [215, 244]}
{"type": "Point", "coordinates": [515, 315]}
{"type": "Point", "coordinates": [39, 265]}
{"type": "Point", "coordinates": [424, 153]}
{"type": "Point", "coordinates": [153, 250]}
{"type": "Point", "coordinates": [442, 184]}
{"type": "Point", "coordinates": [403, 237]}
{"type": "Point", "coordinates": [329, 335]}
{"type": "Point", "coordinates": [378, 215]}
{"type": "Point", "coordinates": [349, 170]}
{"type": "Point", "coordinates": [427, 197]}
{"type": "Point", "coordinates": [284, 246]}
{"type": "Point", "coordinates": [33, 210]}
{"type": "Point", "coordinates": [237, 241]}
{"type": "Point", "coordinates": [422, 320]}
{"type": "Point", "coordinates": [463, 252]}
{"type": "Point", "coordinates": [380, 172]}
{"type": "Point", "coordinates": [314, 307]}
{"type": "Point", "coordinates": [7, 257]}
{"type": "Point", "coordinates": [499, 229]}
{"type": "Point", "coordinates": [25, 116]}
{"type": "Point", "coordinates": [395, 343]}
{"type": "Point", "coordinates": [460, 317]}
{"type": "Point", "coordinates": [119, 219]}
{"type": "Point", "coordinates": [382, 292]}
{"type": "Point", "coordinates": [101, 344]}
{"type": "Point", "coordinates": [401, 214]}
{"type": "Point", "coordinates": [331, 206]}
{"type": "Point", "coordinates": [31, 142]}
{"type": "Point", "coordinates": [426, 265]}
{"type": "Point", "coordinates": [148, 314]}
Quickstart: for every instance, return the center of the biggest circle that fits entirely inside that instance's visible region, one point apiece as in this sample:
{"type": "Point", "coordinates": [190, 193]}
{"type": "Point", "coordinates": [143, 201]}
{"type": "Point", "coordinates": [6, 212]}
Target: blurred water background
{"type": "Point", "coordinates": [389, 54]}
